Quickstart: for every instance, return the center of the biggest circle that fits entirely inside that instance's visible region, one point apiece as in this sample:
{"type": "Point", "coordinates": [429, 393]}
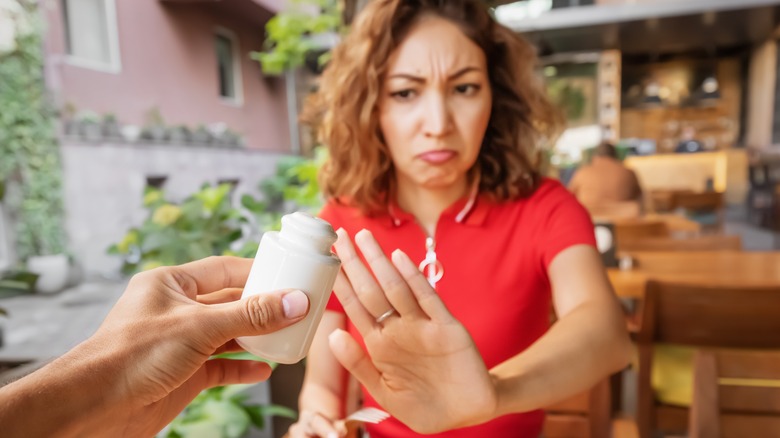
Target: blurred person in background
{"type": "Point", "coordinates": [432, 113]}
{"type": "Point", "coordinates": [606, 181]}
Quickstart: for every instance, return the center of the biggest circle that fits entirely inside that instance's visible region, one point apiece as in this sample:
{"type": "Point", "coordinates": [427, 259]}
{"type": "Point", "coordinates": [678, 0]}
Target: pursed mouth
{"type": "Point", "coordinates": [438, 156]}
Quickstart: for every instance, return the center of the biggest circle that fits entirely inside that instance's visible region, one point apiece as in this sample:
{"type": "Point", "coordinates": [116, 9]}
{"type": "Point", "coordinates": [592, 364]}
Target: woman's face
{"type": "Point", "coordinates": [435, 105]}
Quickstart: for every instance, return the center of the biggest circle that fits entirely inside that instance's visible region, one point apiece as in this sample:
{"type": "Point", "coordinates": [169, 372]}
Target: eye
{"type": "Point", "coordinates": [467, 89]}
{"type": "Point", "coordinates": [403, 94]}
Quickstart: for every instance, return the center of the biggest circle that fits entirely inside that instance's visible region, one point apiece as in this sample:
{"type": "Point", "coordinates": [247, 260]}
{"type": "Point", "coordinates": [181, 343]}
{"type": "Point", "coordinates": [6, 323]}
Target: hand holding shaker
{"type": "Point", "coordinates": [297, 257]}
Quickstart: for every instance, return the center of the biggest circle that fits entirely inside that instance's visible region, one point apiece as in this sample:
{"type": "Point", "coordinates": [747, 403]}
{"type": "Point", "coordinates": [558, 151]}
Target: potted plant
{"type": "Point", "coordinates": [68, 116]}
{"type": "Point", "coordinates": [111, 128]}
{"type": "Point", "coordinates": [202, 136]}
{"type": "Point", "coordinates": [155, 129]}
{"type": "Point", "coordinates": [90, 128]}
{"type": "Point", "coordinates": [179, 135]}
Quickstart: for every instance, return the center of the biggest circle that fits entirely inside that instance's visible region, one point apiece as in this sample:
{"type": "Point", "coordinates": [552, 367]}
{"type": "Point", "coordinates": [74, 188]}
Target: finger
{"type": "Point", "coordinates": [201, 277]}
{"type": "Point", "coordinates": [222, 296]}
{"type": "Point", "coordinates": [394, 285]}
{"type": "Point", "coordinates": [322, 426]}
{"type": "Point", "coordinates": [230, 346]}
{"type": "Point", "coordinates": [254, 315]}
{"type": "Point", "coordinates": [349, 353]}
{"type": "Point", "coordinates": [358, 314]}
{"type": "Point", "coordinates": [428, 299]}
{"type": "Point", "coordinates": [363, 283]}
{"type": "Point", "coordinates": [220, 372]}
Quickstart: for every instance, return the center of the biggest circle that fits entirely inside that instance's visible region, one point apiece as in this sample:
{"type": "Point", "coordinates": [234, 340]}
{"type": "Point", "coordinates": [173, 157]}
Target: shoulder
{"type": "Point", "coordinates": [551, 201]}
{"type": "Point", "coordinates": [337, 212]}
{"type": "Point", "coordinates": [550, 193]}
{"type": "Point", "coordinates": [343, 215]}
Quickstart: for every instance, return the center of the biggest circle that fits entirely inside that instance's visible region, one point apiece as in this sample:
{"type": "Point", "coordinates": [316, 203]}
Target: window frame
{"type": "Point", "coordinates": [112, 29]}
{"type": "Point", "coordinates": [238, 79]}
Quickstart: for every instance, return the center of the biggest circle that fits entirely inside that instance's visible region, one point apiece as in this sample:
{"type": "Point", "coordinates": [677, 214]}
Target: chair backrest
{"type": "Point", "coordinates": [698, 201]}
{"type": "Point", "coordinates": [697, 243]}
{"type": "Point", "coordinates": [609, 211]}
{"type": "Point", "coordinates": [711, 316]}
{"type": "Point", "coordinates": [703, 316]}
{"type": "Point", "coordinates": [735, 394]}
{"type": "Point", "coordinates": [586, 415]}
{"type": "Point", "coordinates": [637, 229]}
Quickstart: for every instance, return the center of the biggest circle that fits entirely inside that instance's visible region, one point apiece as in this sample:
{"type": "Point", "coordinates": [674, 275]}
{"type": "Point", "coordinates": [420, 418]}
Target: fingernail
{"type": "Point", "coordinates": [295, 304]}
{"type": "Point", "coordinates": [333, 435]}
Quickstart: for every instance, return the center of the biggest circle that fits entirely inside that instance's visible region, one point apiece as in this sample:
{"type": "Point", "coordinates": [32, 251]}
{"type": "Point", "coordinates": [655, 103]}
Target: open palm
{"type": "Point", "coordinates": [422, 365]}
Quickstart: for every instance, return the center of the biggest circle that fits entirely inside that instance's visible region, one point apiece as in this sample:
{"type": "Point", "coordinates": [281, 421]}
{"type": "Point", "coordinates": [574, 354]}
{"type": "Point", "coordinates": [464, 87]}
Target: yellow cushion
{"type": "Point", "coordinates": [672, 377]}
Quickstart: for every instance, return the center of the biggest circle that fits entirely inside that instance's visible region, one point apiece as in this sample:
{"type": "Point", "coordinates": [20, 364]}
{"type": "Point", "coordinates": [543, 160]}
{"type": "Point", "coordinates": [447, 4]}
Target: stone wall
{"type": "Point", "coordinates": [104, 185]}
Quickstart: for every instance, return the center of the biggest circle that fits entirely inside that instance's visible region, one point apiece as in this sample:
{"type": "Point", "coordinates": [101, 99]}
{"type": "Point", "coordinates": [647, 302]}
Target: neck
{"type": "Point", "coordinates": [425, 204]}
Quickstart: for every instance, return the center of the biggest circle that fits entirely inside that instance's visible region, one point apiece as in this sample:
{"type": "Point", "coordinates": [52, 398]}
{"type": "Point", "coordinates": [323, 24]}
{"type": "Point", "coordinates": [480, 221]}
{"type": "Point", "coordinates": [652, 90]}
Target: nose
{"type": "Point", "coordinates": [438, 119]}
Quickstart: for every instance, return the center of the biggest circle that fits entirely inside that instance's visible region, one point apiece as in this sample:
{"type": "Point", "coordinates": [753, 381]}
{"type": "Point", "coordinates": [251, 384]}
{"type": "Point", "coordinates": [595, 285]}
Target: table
{"type": "Point", "coordinates": [676, 223]}
{"type": "Point", "coordinates": [734, 268]}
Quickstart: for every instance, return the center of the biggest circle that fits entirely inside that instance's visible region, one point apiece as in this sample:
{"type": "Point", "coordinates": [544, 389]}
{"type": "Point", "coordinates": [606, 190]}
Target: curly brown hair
{"type": "Point", "coordinates": [359, 170]}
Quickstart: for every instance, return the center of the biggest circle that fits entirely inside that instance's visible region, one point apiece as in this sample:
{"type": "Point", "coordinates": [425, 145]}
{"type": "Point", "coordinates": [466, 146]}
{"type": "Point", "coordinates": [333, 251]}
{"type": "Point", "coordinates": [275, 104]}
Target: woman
{"type": "Point", "coordinates": [432, 113]}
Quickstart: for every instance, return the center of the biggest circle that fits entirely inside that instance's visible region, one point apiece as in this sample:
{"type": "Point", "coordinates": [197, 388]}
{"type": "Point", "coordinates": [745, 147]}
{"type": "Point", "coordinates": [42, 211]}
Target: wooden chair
{"type": "Point", "coordinates": [696, 204]}
{"type": "Point", "coordinates": [586, 415]}
{"type": "Point", "coordinates": [627, 230]}
{"type": "Point", "coordinates": [610, 211]}
{"type": "Point", "coordinates": [662, 200]}
{"type": "Point", "coordinates": [701, 316]}
{"type": "Point", "coordinates": [735, 394]}
{"type": "Point", "coordinates": [697, 243]}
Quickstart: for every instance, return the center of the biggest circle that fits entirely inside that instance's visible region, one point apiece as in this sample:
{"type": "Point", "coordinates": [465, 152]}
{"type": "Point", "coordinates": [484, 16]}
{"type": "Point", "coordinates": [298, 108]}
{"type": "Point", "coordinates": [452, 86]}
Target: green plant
{"type": "Point", "coordinates": [17, 282]}
{"type": "Point", "coordinates": [223, 412]}
{"type": "Point", "coordinates": [568, 97]}
{"type": "Point", "coordinates": [290, 34]}
{"type": "Point", "coordinates": [293, 186]}
{"type": "Point", "coordinates": [204, 224]}
{"type": "Point", "coordinates": [29, 152]}
{"type": "Point", "coordinates": [88, 116]}
{"type": "Point", "coordinates": [153, 117]}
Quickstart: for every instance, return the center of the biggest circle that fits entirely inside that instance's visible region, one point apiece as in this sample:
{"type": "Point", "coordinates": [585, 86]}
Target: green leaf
{"type": "Point", "coordinates": [278, 411]}
{"type": "Point", "coordinates": [242, 355]}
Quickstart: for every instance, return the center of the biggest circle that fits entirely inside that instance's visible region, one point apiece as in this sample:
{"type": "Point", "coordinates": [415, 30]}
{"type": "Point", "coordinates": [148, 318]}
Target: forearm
{"type": "Point", "coordinates": [579, 350]}
{"type": "Point", "coordinates": [324, 387]}
{"type": "Point", "coordinates": [323, 400]}
{"type": "Point", "coordinates": [62, 399]}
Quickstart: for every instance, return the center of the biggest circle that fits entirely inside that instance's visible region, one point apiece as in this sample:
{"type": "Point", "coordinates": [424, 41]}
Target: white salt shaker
{"type": "Point", "coordinates": [297, 257]}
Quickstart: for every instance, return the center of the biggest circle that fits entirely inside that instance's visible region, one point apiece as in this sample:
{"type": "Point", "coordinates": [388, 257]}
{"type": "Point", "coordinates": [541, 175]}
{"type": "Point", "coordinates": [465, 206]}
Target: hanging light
{"type": "Point", "coordinates": [652, 90]}
{"type": "Point", "coordinates": [710, 88]}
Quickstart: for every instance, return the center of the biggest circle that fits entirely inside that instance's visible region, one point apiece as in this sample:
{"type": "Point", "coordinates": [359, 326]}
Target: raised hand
{"type": "Point", "coordinates": [422, 365]}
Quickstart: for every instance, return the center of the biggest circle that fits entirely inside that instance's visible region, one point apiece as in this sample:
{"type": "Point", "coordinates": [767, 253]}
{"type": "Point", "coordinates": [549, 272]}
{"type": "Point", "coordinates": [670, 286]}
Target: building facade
{"type": "Point", "coordinates": [182, 63]}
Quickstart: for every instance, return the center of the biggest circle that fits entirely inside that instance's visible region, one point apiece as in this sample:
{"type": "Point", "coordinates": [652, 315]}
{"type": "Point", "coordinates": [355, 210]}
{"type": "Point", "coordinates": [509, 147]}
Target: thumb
{"type": "Point", "coordinates": [260, 314]}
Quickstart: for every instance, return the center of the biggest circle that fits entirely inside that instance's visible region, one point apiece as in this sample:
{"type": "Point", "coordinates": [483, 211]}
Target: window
{"type": "Point", "coordinates": [91, 34]}
{"type": "Point", "coordinates": [228, 66]}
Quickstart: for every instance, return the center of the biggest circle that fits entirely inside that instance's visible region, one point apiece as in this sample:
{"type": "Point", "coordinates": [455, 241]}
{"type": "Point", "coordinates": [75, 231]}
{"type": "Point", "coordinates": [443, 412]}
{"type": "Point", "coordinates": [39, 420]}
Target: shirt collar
{"type": "Point", "coordinates": [470, 210]}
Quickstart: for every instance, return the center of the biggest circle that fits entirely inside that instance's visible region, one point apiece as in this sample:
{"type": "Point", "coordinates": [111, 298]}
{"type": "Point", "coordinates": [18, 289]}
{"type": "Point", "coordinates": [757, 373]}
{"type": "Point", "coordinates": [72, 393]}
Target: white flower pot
{"type": "Point", "coordinates": [52, 271]}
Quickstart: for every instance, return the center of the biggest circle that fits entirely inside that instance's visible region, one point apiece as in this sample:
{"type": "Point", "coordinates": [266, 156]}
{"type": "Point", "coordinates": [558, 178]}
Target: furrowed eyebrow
{"type": "Point", "coordinates": [419, 79]}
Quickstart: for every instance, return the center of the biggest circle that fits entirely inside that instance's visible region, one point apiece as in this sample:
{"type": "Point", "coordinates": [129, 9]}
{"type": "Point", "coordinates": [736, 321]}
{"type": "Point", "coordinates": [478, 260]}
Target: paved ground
{"type": "Point", "coordinates": [45, 326]}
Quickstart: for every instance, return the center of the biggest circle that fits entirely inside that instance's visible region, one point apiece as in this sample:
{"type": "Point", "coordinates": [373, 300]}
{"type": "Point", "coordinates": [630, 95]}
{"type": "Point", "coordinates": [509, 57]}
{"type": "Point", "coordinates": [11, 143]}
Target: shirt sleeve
{"type": "Point", "coordinates": [328, 213]}
{"type": "Point", "coordinates": [564, 223]}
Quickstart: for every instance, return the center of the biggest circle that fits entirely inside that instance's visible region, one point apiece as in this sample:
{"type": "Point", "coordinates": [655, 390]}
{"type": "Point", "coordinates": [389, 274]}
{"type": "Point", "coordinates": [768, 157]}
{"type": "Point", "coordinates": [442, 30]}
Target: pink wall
{"type": "Point", "coordinates": [169, 62]}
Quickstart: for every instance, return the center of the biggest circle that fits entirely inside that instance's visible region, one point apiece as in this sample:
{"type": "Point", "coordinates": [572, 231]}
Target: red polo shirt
{"type": "Point", "coordinates": [495, 258]}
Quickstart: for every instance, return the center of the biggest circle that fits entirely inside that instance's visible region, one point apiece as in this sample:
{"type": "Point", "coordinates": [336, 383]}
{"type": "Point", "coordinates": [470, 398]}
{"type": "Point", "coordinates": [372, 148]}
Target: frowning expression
{"type": "Point", "coordinates": [435, 104]}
